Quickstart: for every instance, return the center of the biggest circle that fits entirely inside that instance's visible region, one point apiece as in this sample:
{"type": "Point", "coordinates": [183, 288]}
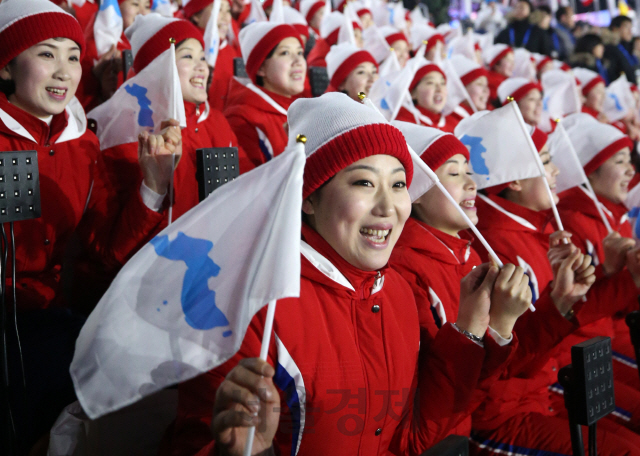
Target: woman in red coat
{"type": "Point", "coordinates": [429, 94]}
{"type": "Point", "coordinates": [346, 352]}
{"type": "Point", "coordinates": [605, 155]}
{"type": "Point", "coordinates": [102, 73]}
{"type": "Point", "coordinates": [351, 70]}
{"type": "Point", "coordinates": [39, 74]}
{"type": "Point", "coordinates": [499, 60]}
{"type": "Point", "coordinates": [128, 206]}
{"type": "Point", "coordinates": [434, 254]}
{"type": "Point", "coordinates": [523, 411]}
{"type": "Point", "coordinates": [257, 109]}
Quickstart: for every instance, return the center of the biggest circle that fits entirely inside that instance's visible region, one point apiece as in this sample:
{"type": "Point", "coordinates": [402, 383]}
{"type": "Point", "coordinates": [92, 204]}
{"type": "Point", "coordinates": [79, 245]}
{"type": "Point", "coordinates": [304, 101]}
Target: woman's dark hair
{"type": "Point", "coordinates": [259, 80]}
{"type": "Point", "coordinates": [587, 43]}
{"type": "Point", "coordinates": [545, 9]}
{"type": "Point", "coordinates": [7, 86]}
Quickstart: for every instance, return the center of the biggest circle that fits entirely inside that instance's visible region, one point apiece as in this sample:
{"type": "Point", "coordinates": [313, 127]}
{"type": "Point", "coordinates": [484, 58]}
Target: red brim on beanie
{"type": "Point", "coordinates": [349, 65]}
{"type": "Point", "coordinates": [351, 146]}
{"type": "Point", "coordinates": [606, 153]}
{"type": "Point", "coordinates": [161, 41]}
{"type": "Point", "coordinates": [395, 37]}
{"type": "Point", "coordinates": [266, 44]}
{"type": "Point", "coordinates": [591, 84]}
{"type": "Point", "coordinates": [302, 29]}
{"type": "Point", "coordinates": [473, 75]}
{"type": "Point", "coordinates": [431, 42]}
{"type": "Point", "coordinates": [422, 72]}
{"type": "Point", "coordinates": [523, 91]}
{"type": "Point", "coordinates": [195, 6]}
{"type": "Point", "coordinates": [332, 38]}
{"type": "Point", "coordinates": [539, 138]}
{"type": "Point", "coordinates": [442, 149]}
{"type": "Point", "coordinates": [499, 57]}
{"type": "Point", "coordinates": [31, 30]}
{"type": "Point", "coordinates": [313, 10]}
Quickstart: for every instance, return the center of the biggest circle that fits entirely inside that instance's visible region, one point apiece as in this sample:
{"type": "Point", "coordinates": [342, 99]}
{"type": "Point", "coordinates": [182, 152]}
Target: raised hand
{"type": "Point", "coordinates": [572, 279]}
{"type": "Point", "coordinates": [158, 155]}
{"type": "Point", "coordinates": [246, 398]}
{"type": "Point", "coordinates": [615, 252]}
{"type": "Point", "coordinates": [475, 299]}
{"type": "Point", "coordinates": [510, 298]}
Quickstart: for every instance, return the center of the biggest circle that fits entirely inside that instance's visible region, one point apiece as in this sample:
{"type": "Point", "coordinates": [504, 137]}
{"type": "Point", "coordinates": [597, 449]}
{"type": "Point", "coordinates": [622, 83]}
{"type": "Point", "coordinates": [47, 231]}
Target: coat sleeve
{"type": "Point", "coordinates": [117, 222]}
{"type": "Point", "coordinates": [448, 372]}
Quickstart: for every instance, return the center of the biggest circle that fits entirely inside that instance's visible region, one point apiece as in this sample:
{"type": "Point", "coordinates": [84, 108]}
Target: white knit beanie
{"type": "Point", "coordinates": [330, 26]}
{"type": "Point", "coordinates": [339, 132]}
{"type": "Point", "coordinates": [258, 39]}
{"type": "Point", "coordinates": [25, 23]}
{"type": "Point", "coordinates": [493, 54]}
{"type": "Point", "coordinates": [466, 69]}
{"type": "Point", "coordinates": [595, 142]}
{"type": "Point", "coordinates": [434, 146]}
{"type": "Point", "coordinates": [587, 78]}
{"type": "Point", "coordinates": [424, 32]}
{"type": "Point", "coordinates": [308, 8]}
{"type": "Point", "coordinates": [151, 35]}
{"type": "Point", "coordinates": [342, 59]}
{"type": "Point", "coordinates": [516, 88]}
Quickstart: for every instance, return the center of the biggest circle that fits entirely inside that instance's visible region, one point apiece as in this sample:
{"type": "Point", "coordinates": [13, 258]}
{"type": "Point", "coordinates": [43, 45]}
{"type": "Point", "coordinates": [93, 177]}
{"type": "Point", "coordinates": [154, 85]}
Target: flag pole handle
{"type": "Point", "coordinates": [173, 168]}
{"type": "Point", "coordinates": [264, 350]}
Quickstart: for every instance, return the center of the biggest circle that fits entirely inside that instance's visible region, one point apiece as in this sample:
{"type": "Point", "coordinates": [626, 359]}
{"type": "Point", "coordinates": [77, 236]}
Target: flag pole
{"type": "Point", "coordinates": [592, 194]}
{"type": "Point", "coordinates": [536, 157]}
{"type": "Point", "coordinates": [173, 168]}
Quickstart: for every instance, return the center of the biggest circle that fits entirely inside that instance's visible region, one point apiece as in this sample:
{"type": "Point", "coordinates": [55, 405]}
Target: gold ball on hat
{"type": "Point", "coordinates": [301, 139]}
{"type": "Point", "coordinates": [425, 41]}
{"type": "Point", "coordinates": [391, 49]}
{"type": "Point", "coordinates": [557, 120]}
{"type": "Point", "coordinates": [510, 99]}
{"type": "Point", "coordinates": [362, 95]}
{"type": "Point", "coordinates": [172, 40]}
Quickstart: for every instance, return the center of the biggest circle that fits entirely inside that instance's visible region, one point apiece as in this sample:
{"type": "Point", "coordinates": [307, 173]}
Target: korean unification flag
{"type": "Point", "coordinates": [108, 26]}
{"type": "Point", "coordinates": [633, 204]}
{"type": "Point", "coordinates": [499, 149]}
{"type": "Point", "coordinates": [212, 36]}
{"type": "Point", "coordinates": [142, 103]}
{"type": "Point", "coordinates": [560, 94]}
{"type": "Point", "coordinates": [182, 305]}
{"type": "Point", "coordinates": [619, 101]}
{"type": "Point", "coordinates": [565, 158]}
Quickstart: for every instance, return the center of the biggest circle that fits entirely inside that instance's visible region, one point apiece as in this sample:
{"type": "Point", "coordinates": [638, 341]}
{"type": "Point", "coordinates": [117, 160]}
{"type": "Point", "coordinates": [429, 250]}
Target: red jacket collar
{"type": "Point", "coordinates": [41, 132]}
{"type": "Point", "coordinates": [577, 199]}
{"type": "Point", "coordinates": [511, 217]}
{"type": "Point", "coordinates": [436, 244]}
{"type": "Point", "coordinates": [362, 281]}
{"type": "Point", "coordinates": [241, 97]}
{"type": "Point", "coordinates": [434, 116]}
{"type": "Point", "coordinates": [592, 112]}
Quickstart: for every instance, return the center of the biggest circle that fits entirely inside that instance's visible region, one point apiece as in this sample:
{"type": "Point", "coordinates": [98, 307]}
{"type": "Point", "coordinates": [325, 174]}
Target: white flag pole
{"type": "Point", "coordinates": [576, 161]}
{"type": "Point", "coordinates": [173, 171]}
{"type": "Point", "coordinates": [536, 157]}
{"type": "Point", "coordinates": [264, 350]}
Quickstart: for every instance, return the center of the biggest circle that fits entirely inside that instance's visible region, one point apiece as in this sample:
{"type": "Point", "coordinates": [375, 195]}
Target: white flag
{"type": "Point", "coordinates": [456, 91]}
{"type": "Point", "coordinates": [497, 158]}
{"type": "Point", "coordinates": [375, 43]}
{"type": "Point", "coordinates": [560, 94]}
{"type": "Point", "coordinates": [142, 103]}
{"type": "Point", "coordinates": [163, 7]}
{"type": "Point", "coordinates": [108, 26]}
{"type": "Point", "coordinates": [565, 158]}
{"type": "Point", "coordinates": [181, 306]}
{"type": "Point", "coordinates": [211, 35]}
{"type": "Point", "coordinates": [619, 101]}
{"type": "Point", "coordinates": [277, 12]}
{"type": "Point", "coordinates": [523, 66]}
{"type": "Point", "coordinates": [256, 14]}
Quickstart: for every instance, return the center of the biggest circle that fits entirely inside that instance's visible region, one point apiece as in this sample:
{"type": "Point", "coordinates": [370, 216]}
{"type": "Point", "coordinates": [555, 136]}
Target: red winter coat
{"type": "Point", "coordinates": [318, 53]}
{"type": "Point", "coordinates": [89, 91]}
{"type": "Point", "coordinates": [434, 263]}
{"type": "Point", "coordinates": [85, 14]}
{"type": "Point", "coordinates": [494, 79]}
{"type": "Point", "coordinates": [352, 368]}
{"type": "Point", "coordinates": [257, 123]}
{"type": "Point", "coordinates": [462, 111]}
{"type": "Point", "coordinates": [428, 119]}
{"type": "Point", "coordinates": [521, 236]}
{"type": "Point", "coordinates": [618, 293]}
{"type": "Point", "coordinates": [66, 155]}
{"type": "Point", "coordinates": [222, 76]}
{"type": "Point", "coordinates": [118, 222]}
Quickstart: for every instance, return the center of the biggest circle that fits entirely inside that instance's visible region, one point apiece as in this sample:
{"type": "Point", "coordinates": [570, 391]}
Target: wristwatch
{"type": "Point", "coordinates": [468, 335]}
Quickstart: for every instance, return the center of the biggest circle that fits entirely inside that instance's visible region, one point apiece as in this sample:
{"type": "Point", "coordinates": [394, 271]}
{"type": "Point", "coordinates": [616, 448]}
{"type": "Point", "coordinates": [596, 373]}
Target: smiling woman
{"type": "Point", "coordinates": [39, 72]}
{"type": "Point", "coordinates": [257, 108]}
